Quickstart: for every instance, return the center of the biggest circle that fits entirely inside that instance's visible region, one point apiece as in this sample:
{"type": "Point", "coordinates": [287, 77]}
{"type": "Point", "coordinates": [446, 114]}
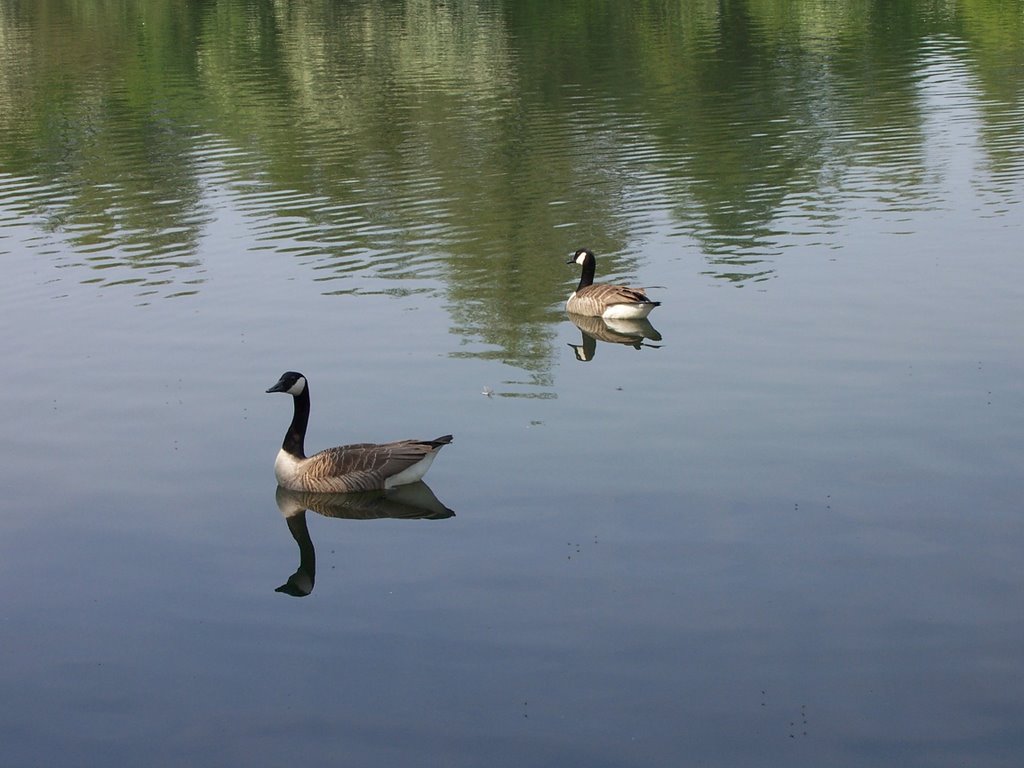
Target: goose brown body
{"type": "Point", "coordinates": [345, 468]}
{"type": "Point", "coordinates": [603, 300]}
{"type": "Point", "coordinates": [358, 467]}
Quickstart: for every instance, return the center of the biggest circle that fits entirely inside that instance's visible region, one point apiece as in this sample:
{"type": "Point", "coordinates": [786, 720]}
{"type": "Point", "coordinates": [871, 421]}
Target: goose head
{"type": "Point", "coordinates": [291, 382]}
{"type": "Point", "coordinates": [581, 256]}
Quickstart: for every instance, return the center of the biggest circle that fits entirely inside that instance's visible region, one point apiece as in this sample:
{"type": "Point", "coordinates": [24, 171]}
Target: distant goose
{"type": "Point", "coordinates": [611, 301]}
{"type": "Point", "coordinates": [347, 468]}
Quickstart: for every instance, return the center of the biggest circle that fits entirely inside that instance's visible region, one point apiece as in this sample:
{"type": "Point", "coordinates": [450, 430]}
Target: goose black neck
{"type": "Point", "coordinates": [587, 278]}
{"type": "Point", "coordinates": [295, 437]}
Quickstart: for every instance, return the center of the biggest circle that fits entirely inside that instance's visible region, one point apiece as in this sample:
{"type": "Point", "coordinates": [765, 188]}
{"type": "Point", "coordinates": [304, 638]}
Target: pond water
{"type": "Point", "coordinates": [780, 526]}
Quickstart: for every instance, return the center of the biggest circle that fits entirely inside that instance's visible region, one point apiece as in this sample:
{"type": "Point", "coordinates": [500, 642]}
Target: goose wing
{"type": "Point", "coordinates": [365, 466]}
{"type": "Point", "coordinates": [596, 299]}
{"type": "Point", "coordinates": [613, 294]}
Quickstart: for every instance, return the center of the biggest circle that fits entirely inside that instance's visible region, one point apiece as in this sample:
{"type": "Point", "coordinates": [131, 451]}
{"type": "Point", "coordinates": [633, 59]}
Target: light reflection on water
{"type": "Point", "coordinates": [787, 509]}
{"type": "Point", "coordinates": [442, 159]}
{"type": "Point", "coordinates": [408, 502]}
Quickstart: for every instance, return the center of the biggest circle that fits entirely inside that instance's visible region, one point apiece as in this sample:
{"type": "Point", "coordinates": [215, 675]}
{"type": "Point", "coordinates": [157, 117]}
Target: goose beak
{"type": "Point", "coordinates": [571, 259]}
{"type": "Point", "coordinates": [279, 387]}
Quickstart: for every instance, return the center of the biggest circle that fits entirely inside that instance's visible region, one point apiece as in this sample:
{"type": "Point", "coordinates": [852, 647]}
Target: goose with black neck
{"type": "Point", "coordinates": [345, 468]}
{"type": "Point", "coordinates": [604, 300]}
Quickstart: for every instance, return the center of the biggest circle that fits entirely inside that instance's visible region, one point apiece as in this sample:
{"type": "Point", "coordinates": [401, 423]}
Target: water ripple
{"type": "Point", "coordinates": [411, 145]}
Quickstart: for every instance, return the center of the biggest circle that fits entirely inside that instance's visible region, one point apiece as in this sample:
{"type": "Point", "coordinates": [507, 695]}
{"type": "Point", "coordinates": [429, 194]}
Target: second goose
{"type": "Point", "coordinates": [611, 301]}
{"type": "Point", "coordinates": [346, 468]}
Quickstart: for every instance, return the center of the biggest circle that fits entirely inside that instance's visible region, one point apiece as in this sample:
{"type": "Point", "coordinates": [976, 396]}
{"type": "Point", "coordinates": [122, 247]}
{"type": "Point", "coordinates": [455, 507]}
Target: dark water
{"type": "Point", "coordinates": [780, 527]}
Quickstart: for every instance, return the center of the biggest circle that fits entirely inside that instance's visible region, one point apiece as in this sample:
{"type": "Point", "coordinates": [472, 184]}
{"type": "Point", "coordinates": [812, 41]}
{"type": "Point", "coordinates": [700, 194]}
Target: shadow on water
{"type": "Point", "coordinates": [406, 502]}
{"type": "Point", "coordinates": [631, 333]}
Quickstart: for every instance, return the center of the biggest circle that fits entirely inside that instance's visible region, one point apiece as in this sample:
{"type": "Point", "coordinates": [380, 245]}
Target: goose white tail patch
{"type": "Point", "coordinates": [413, 473]}
{"type": "Point", "coordinates": [629, 311]}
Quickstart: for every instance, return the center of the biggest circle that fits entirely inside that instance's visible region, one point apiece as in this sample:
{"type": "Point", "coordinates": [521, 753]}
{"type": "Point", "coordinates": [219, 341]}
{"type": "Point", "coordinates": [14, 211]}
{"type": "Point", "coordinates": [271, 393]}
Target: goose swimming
{"type": "Point", "coordinates": [346, 468]}
{"type": "Point", "coordinates": [610, 301]}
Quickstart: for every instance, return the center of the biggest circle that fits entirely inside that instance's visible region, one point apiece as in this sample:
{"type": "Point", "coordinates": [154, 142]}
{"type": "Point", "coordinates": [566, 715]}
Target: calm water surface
{"type": "Point", "coordinates": [781, 527]}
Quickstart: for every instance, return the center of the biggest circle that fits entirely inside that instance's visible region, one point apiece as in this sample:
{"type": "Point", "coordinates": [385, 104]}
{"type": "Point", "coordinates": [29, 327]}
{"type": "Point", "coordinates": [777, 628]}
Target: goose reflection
{"type": "Point", "coordinates": [633, 333]}
{"type": "Point", "coordinates": [406, 502]}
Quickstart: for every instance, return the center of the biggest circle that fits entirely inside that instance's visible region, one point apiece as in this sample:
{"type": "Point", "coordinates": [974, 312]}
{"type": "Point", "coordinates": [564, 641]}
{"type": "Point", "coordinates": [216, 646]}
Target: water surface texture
{"type": "Point", "coordinates": [779, 525]}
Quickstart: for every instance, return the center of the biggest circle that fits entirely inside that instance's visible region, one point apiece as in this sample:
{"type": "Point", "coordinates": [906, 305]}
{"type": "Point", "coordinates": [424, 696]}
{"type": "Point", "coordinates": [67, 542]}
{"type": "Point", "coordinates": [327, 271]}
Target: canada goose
{"type": "Point", "coordinates": [346, 468]}
{"type": "Point", "coordinates": [613, 301]}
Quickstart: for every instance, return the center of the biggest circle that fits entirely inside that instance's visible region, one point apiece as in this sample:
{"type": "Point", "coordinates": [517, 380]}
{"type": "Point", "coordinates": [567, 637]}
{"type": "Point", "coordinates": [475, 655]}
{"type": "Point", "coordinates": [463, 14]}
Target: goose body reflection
{"type": "Point", "coordinates": [414, 501]}
{"type": "Point", "coordinates": [602, 300]}
{"type": "Point", "coordinates": [345, 468]}
{"type": "Point", "coordinates": [632, 333]}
